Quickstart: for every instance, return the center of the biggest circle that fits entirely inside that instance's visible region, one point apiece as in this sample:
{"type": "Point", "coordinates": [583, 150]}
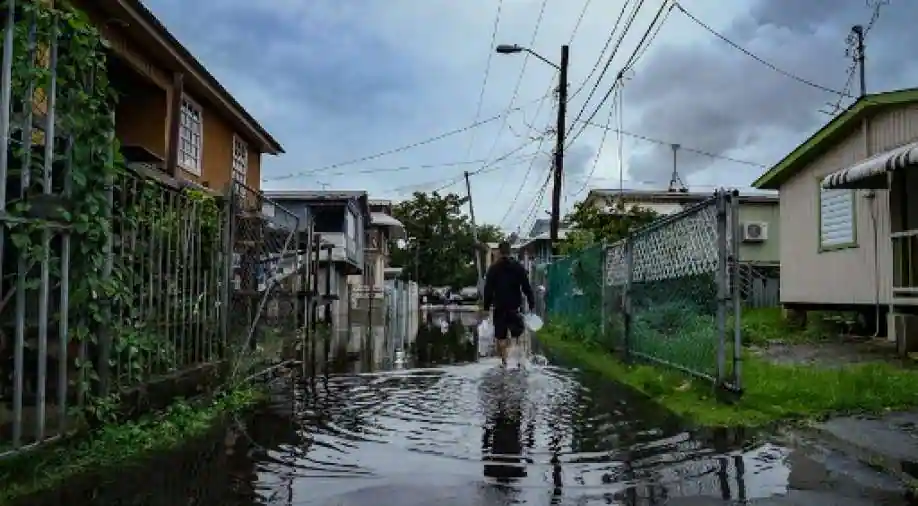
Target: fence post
{"type": "Point", "coordinates": [626, 298]}
{"type": "Point", "coordinates": [229, 207]}
{"type": "Point", "coordinates": [737, 295]}
{"type": "Point", "coordinates": [604, 299]}
{"type": "Point", "coordinates": [721, 281]}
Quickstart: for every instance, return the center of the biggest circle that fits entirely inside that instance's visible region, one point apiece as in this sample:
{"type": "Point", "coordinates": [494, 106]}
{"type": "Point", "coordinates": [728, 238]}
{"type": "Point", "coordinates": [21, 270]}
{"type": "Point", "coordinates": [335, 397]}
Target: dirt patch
{"type": "Point", "coordinates": [844, 351]}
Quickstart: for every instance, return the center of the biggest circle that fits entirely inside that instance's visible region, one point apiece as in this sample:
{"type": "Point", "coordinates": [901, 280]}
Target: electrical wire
{"type": "Point", "coordinates": [602, 142]}
{"type": "Point", "coordinates": [519, 190]}
{"type": "Point", "coordinates": [402, 168]}
{"type": "Point", "coordinates": [487, 73]}
{"type": "Point", "coordinates": [491, 166]}
{"type": "Point", "coordinates": [602, 53]}
{"type": "Point", "coordinates": [605, 69]}
{"type": "Point", "coordinates": [755, 57]}
{"type": "Point", "coordinates": [407, 147]}
{"type": "Point", "coordinates": [617, 83]}
{"type": "Point", "coordinates": [536, 202]}
{"type": "Point", "coordinates": [682, 147]}
{"type": "Point", "coordinates": [519, 79]}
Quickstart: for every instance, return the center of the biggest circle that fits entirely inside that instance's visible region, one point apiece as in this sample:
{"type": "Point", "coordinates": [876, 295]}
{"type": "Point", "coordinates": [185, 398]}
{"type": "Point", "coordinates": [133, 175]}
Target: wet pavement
{"type": "Point", "coordinates": [474, 434]}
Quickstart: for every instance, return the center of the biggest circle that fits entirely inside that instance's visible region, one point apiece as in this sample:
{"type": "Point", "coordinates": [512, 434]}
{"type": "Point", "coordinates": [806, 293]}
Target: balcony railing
{"type": "Point", "coordinates": [345, 249]}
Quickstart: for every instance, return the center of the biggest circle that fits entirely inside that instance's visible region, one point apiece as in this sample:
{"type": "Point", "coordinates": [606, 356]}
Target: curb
{"type": "Point", "coordinates": [809, 436]}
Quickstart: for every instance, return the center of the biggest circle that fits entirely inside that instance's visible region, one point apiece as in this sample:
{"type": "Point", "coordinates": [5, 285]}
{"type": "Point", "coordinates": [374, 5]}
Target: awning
{"type": "Point", "coordinates": [871, 173]}
{"type": "Point", "coordinates": [397, 230]}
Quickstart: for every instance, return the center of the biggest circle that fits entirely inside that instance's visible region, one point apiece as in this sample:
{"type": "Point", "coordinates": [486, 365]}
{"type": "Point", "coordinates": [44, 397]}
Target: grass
{"type": "Point", "coordinates": [772, 392]}
{"type": "Point", "coordinates": [116, 445]}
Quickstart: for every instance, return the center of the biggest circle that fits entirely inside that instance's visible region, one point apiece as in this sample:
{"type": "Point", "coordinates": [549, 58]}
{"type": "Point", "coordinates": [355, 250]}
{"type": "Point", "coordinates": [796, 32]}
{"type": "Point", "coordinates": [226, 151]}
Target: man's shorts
{"type": "Point", "coordinates": [507, 323]}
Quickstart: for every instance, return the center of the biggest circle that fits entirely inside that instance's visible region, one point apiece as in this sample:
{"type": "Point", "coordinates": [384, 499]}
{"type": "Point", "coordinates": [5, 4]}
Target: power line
{"type": "Point", "coordinates": [406, 147]}
{"type": "Point", "coordinates": [519, 190]}
{"type": "Point", "coordinates": [631, 60]}
{"type": "Point", "coordinates": [618, 43]}
{"type": "Point", "coordinates": [519, 79]}
{"type": "Point", "coordinates": [605, 47]}
{"type": "Point", "coordinates": [536, 202]}
{"type": "Point", "coordinates": [484, 169]}
{"type": "Point", "coordinates": [757, 58]}
{"type": "Point", "coordinates": [403, 168]}
{"type": "Point", "coordinates": [487, 73]}
{"type": "Point", "coordinates": [583, 11]}
{"type": "Point", "coordinates": [602, 142]}
{"type": "Point", "coordinates": [682, 147]}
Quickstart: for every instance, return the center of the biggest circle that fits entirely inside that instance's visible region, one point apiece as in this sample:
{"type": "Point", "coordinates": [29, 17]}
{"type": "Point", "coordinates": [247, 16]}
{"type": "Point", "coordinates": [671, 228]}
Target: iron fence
{"type": "Point", "coordinates": [114, 278]}
{"type": "Point", "coordinates": [664, 294]}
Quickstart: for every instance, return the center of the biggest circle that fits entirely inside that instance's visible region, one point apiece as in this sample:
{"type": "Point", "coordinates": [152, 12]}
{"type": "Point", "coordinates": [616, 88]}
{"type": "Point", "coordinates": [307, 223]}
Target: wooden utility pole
{"type": "Point", "coordinates": [478, 265]}
{"type": "Point", "coordinates": [859, 56]}
{"type": "Point", "coordinates": [559, 150]}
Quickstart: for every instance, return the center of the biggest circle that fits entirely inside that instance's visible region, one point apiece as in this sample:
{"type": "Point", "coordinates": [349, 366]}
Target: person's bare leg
{"type": "Point", "coordinates": [502, 351]}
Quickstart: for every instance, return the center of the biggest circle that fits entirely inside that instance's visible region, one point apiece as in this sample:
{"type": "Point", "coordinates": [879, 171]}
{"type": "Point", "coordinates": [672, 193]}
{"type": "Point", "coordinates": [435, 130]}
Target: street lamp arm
{"type": "Point", "coordinates": [546, 60]}
{"type": "Point", "coordinates": [513, 48]}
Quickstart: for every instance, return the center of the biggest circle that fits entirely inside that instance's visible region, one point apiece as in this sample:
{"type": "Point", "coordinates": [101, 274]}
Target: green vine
{"type": "Point", "coordinates": [126, 232]}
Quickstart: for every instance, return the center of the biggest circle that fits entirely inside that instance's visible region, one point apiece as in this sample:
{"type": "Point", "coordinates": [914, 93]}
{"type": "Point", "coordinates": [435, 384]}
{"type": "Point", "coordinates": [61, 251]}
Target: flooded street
{"type": "Point", "coordinates": [474, 434]}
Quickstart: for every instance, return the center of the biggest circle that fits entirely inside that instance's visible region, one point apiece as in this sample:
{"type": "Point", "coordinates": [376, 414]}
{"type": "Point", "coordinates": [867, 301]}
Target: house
{"type": "Point", "coordinates": [340, 219]}
{"type": "Point", "coordinates": [535, 249]}
{"type": "Point", "coordinates": [382, 230]}
{"type": "Point", "coordinates": [847, 225]}
{"type": "Point", "coordinates": [759, 217]}
{"type": "Point", "coordinates": [173, 117]}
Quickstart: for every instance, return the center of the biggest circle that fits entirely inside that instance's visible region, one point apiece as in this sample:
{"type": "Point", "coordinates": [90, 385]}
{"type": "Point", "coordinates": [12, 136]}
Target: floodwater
{"type": "Point", "coordinates": [474, 434]}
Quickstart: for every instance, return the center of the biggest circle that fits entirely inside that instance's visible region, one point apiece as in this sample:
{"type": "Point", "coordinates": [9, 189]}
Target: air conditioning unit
{"type": "Point", "coordinates": [755, 231]}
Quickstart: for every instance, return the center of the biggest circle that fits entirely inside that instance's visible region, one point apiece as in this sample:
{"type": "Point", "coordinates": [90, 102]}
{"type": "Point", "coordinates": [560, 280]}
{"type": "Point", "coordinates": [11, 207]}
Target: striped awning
{"type": "Point", "coordinates": [871, 173]}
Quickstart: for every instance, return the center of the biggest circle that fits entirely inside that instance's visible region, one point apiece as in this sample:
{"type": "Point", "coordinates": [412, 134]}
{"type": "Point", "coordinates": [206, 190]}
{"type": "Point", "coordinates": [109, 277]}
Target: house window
{"type": "Point", "coordinates": [240, 159]}
{"type": "Point", "coordinates": [190, 136]}
{"type": "Point", "coordinates": [350, 224]}
{"type": "Point", "coordinates": [836, 219]}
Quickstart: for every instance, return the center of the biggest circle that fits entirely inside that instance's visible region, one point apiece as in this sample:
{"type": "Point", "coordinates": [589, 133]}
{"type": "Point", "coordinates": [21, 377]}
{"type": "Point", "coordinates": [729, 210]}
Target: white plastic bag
{"type": "Point", "coordinates": [486, 330]}
{"type": "Point", "coordinates": [485, 337]}
{"type": "Point", "coordinates": [533, 322]}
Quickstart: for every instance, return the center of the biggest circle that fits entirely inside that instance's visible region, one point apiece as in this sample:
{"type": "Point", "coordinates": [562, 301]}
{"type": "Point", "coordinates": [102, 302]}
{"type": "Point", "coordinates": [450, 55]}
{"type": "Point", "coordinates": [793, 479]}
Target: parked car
{"type": "Point", "coordinates": [469, 294]}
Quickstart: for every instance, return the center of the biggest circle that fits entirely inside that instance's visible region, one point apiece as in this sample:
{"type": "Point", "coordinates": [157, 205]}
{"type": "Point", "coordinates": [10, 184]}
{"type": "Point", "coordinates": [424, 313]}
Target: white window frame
{"type": "Point", "coordinates": [240, 160]}
{"type": "Point", "coordinates": [195, 165]}
{"type": "Point", "coordinates": [845, 234]}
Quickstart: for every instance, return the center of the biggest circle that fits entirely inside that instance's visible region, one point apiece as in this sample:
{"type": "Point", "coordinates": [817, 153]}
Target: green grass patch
{"type": "Point", "coordinates": [772, 392]}
{"type": "Point", "coordinates": [764, 326]}
{"type": "Point", "coordinates": [115, 445]}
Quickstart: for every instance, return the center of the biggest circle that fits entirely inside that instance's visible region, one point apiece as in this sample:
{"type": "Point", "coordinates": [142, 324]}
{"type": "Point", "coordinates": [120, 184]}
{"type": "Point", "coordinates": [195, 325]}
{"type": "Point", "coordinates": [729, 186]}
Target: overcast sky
{"type": "Point", "coordinates": [336, 80]}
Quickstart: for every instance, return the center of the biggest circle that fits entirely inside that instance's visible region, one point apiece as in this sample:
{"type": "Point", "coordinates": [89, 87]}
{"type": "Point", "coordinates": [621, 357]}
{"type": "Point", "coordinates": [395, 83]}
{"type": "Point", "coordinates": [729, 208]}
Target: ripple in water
{"type": "Point", "coordinates": [477, 434]}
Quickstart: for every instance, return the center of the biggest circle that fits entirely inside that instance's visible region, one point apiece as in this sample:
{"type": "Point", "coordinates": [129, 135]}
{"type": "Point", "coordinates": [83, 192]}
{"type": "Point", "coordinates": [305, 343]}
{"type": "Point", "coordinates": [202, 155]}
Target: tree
{"type": "Point", "coordinates": [440, 248]}
{"type": "Point", "coordinates": [589, 224]}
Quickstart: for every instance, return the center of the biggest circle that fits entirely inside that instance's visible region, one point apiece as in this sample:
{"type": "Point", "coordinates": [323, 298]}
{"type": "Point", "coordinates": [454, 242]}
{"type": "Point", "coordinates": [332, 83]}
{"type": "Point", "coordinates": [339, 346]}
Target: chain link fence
{"type": "Point", "coordinates": [663, 294]}
{"type": "Point", "coordinates": [271, 256]}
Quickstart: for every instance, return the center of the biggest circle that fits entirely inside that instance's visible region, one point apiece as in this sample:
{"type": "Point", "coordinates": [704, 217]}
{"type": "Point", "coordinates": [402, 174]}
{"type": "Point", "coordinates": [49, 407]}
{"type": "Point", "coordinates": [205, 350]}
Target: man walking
{"type": "Point", "coordinates": [505, 284]}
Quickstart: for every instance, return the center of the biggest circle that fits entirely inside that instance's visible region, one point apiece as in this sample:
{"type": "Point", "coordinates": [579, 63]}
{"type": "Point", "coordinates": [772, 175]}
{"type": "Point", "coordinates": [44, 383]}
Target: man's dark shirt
{"type": "Point", "coordinates": [505, 284]}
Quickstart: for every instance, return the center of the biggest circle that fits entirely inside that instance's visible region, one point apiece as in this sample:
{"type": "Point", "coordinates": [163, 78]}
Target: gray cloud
{"type": "Point", "coordinates": [714, 98]}
{"type": "Point", "coordinates": [339, 80]}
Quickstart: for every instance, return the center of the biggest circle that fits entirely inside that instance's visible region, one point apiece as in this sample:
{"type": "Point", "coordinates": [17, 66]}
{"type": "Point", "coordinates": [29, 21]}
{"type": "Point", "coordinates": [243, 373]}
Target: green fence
{"type": "Point", "coordinates": [663, 294]}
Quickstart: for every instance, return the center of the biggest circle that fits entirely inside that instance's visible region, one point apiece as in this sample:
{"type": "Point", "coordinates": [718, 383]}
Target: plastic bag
{"type": "Point", "coordinates": [533, 322]}
{"type": "Point", "coordinates": [486, 330]}
{"type": "Point", "coordinates": [485, 338]}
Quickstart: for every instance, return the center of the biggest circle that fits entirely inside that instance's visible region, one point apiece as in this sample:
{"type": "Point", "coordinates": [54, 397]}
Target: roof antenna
{"type": "Point", "coordinates": [675, 182]}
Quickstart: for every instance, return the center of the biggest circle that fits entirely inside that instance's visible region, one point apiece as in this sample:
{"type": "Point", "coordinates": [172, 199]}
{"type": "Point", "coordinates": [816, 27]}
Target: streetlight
{"type": "Point", "coordinates": [559, 144]}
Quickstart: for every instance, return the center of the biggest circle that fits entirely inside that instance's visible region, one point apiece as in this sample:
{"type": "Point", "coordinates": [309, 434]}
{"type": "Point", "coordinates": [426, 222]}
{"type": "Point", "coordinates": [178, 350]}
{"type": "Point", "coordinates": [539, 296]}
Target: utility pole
{"type": "Point", "coordinates": [559, 150]}
{"type": "Point", "coordinates": [675, 182]}
{"type": "Point", "coordinates": [478, 266]}
{"type": "Point", "coordinates": [859, 56]}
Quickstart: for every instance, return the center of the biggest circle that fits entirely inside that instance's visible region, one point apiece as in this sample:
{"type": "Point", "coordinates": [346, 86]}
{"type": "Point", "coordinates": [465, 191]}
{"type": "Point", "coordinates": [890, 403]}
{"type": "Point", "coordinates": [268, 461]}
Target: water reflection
{"type": "Point", "coordinates": [473, 434]}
